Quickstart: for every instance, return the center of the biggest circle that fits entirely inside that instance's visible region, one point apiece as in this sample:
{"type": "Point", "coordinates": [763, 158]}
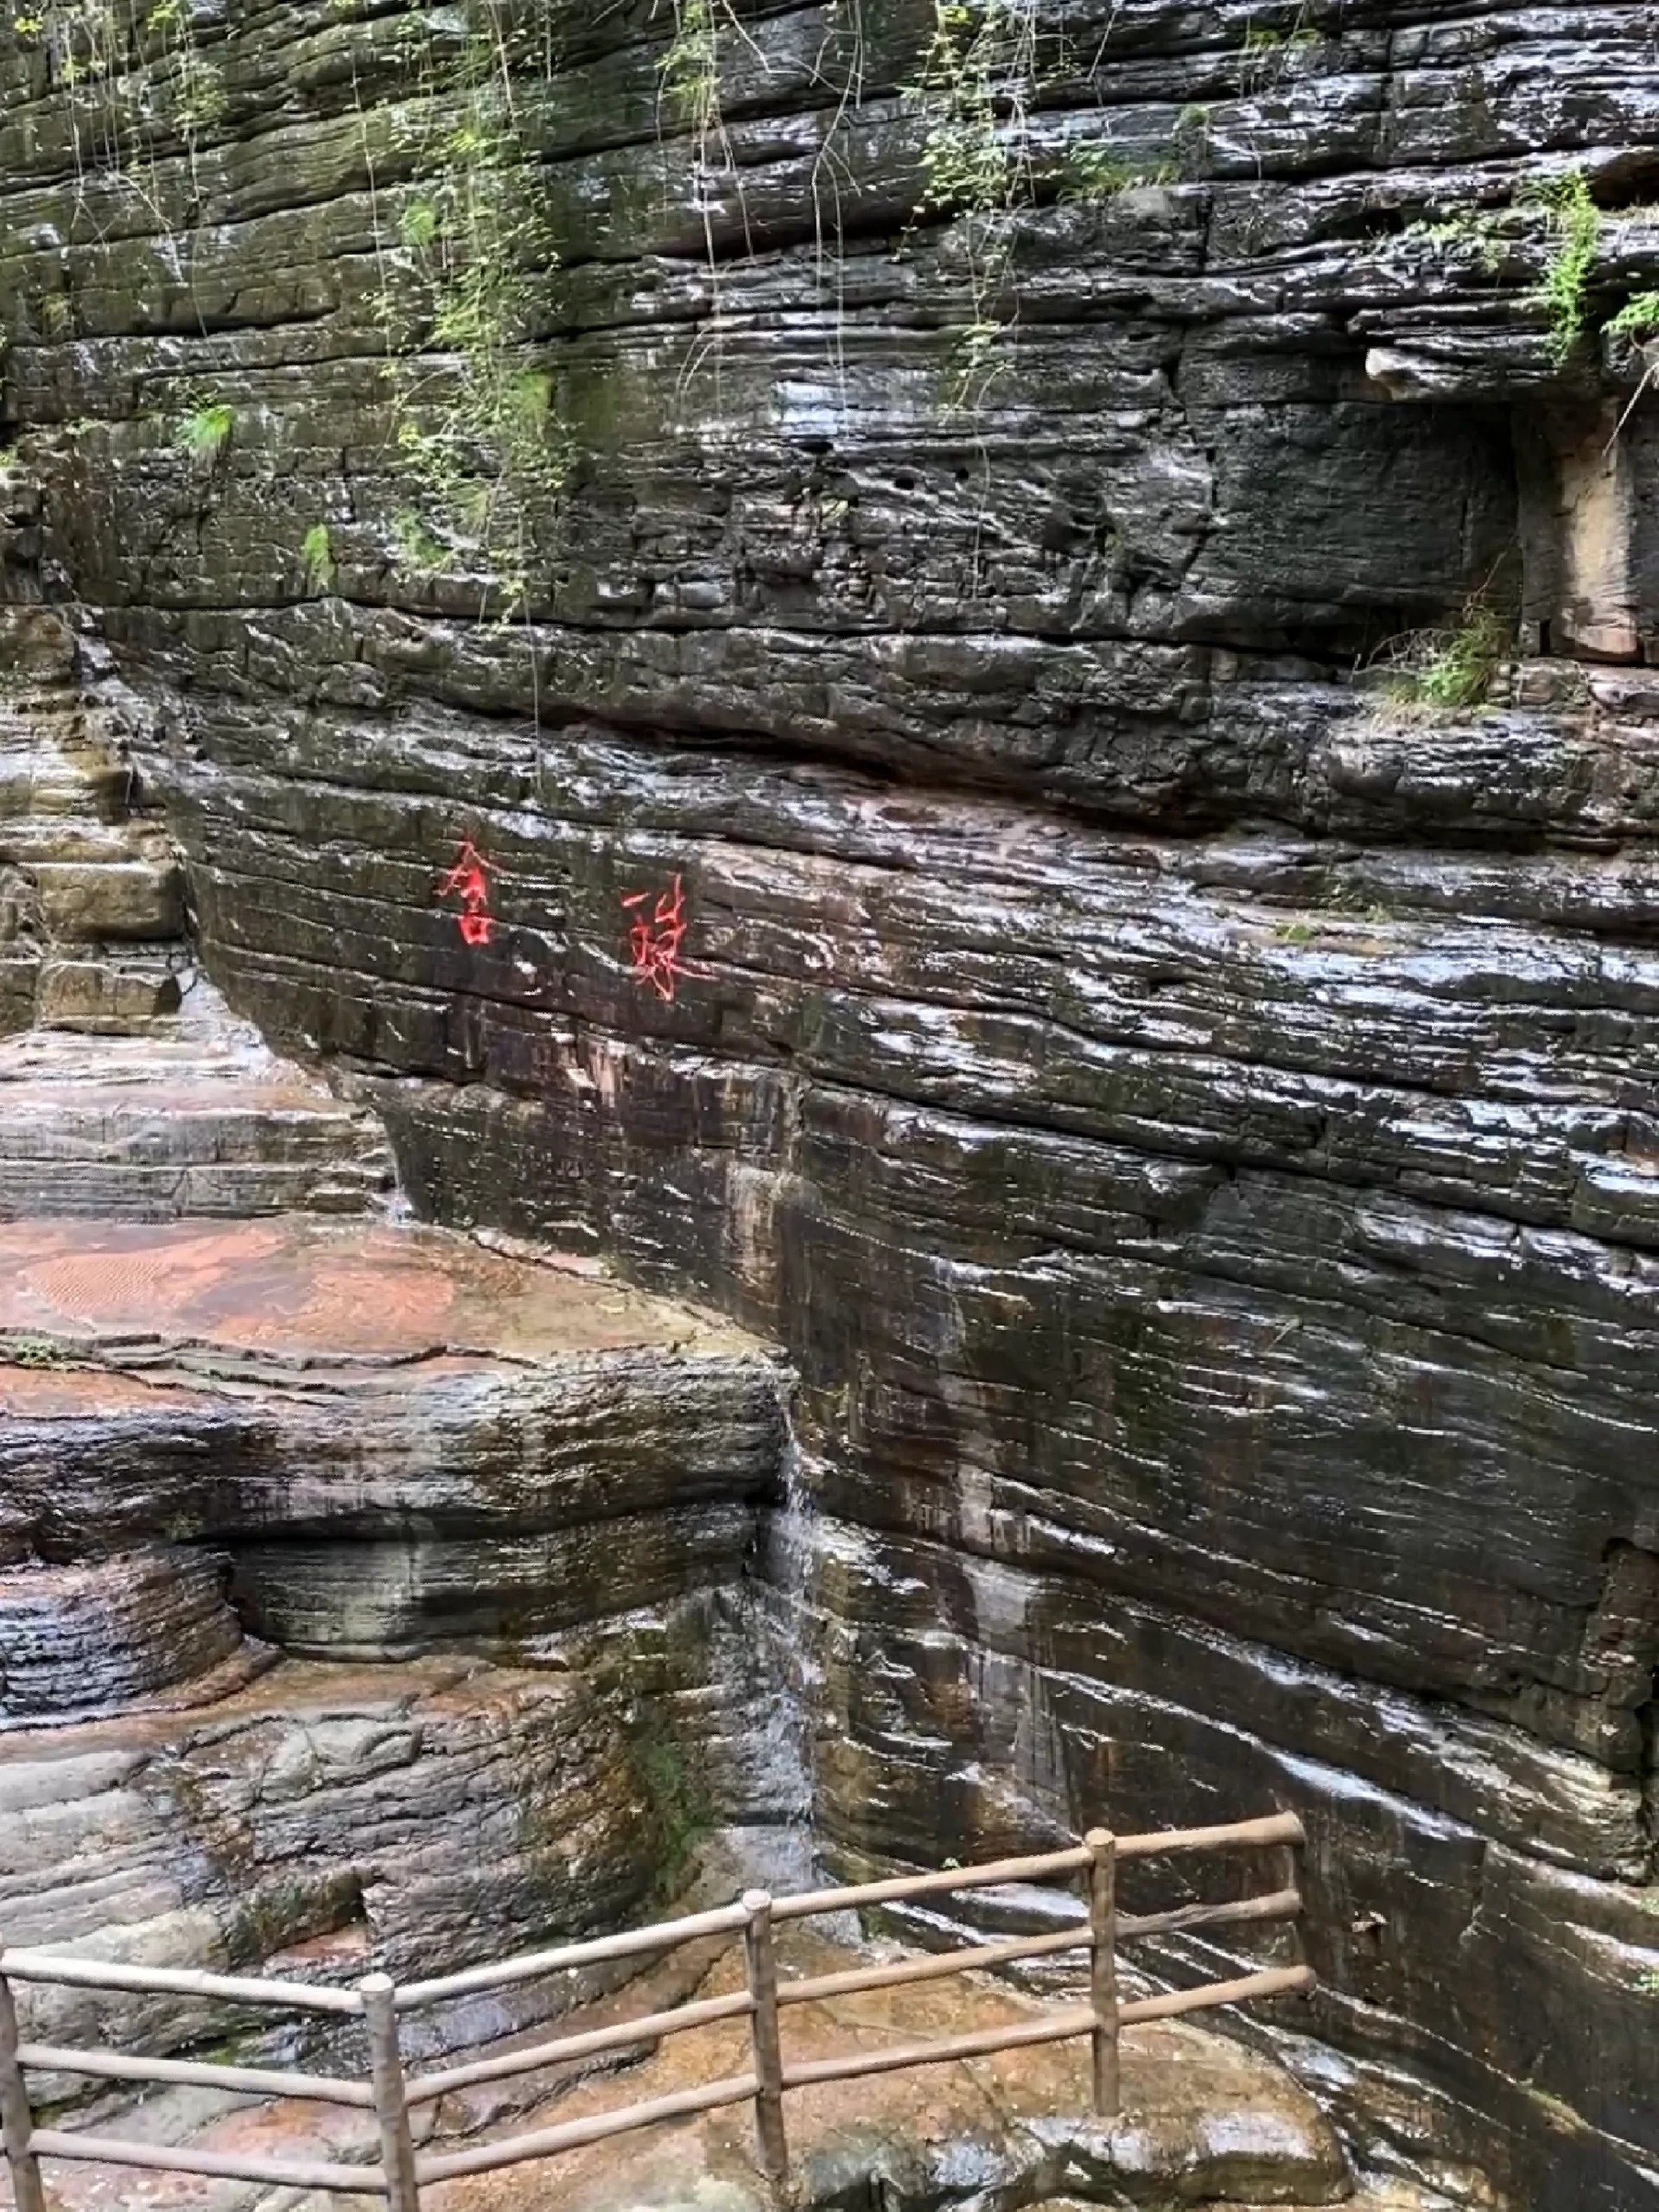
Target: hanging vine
{"type": "Point", "coordinates": [461, 247]}
{"type": "Point", "coordinates": [978, 78]}
{"type": "Point", "coordinates": [134, 88]}
{"type": "Point", "coordinates": [477, 439]}
{"type": "Point", "coordinates": [983, 161]}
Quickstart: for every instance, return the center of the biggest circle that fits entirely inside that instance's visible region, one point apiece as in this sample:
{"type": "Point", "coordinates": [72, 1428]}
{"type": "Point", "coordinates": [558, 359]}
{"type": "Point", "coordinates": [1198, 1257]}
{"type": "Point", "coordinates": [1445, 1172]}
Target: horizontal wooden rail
{"type": "Point", "coordinates": [70, 1973]}
{"type": "Point", "coordinates": [934, 1967]}
{"type": "Point", "coordinates": [513, 2149]}
{"type": "Point", "coordinates": [1274, 1981]}
{"type": "Point", "coordinates": [401, 2174]}
{"type": "Point", "coordinates": [1233, 1835]}
{"type": "Point", "coordinates": [216, 2165]}
{"type": "Point", "coordinates": [250, 2081]}
{"type": "Point", "coordinates": [1276, 1827]}
{"type": "Point", "coordinates": [901, 1886]}
{"type": "Point", "coordinates": [648, 2027]}
{"type": "Point", "coordinates": [666, 1934]}
{"type": "Point", "coordinates": [1273, 1904]}
{"type": "Point", "coordinates": [982, 2044]}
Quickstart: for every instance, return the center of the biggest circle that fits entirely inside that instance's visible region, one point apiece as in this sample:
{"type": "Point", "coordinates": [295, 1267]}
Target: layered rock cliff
{"type": "Point", "coordinates": [746, 618]}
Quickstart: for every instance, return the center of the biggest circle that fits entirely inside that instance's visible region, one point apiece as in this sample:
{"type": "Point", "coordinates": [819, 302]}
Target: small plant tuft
{"type": "Point", "coordinates": [1097, 173]}
{"type": "Point", "coordinates": [416, 548]}
{"type": "Point", "coordinates": [1637, 318]}
{"type": "Point", "coordinates": [1479, 228]}
{"type": "Point", "coordinates": [1449, 669]}
{"type": "Point", "coordinates": [1190, 141]}
{"type": "Point", "coordinates": [206, 431]}
{"type": "Point", "coordinates": [675, 1796]}
{"type": "Point", "coordinates": [32, 1352]}
{"type": "Point", "coordinates": [978, 79]}
{"type": "Point", "coordinates": [317, 557]}
{"type": "Point", "coordinates": [688, 71]}
{"type": "Point", "coordinates": [1574, 223]}
{"type": "Point", "coordinates": [1269, 52]}
{"type": "Point", "coordinates": [473, 425]}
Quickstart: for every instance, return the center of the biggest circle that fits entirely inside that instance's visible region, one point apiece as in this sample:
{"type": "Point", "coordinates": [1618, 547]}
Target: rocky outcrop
{"type": "Point", "coordinates": [384, 1485]}
{"type": "Point", "coordinates": [232, 1444]}
{"type": "Point", "coordinates": [90, 892]}
{"type": "Point", "coordinates": [1204, 2123]}
{"type": "Point", "coordinates": [1223, 1334]}
{"type": "Point", "coordinates": [1188, 1116]}
{"type": "Point", "coordinates": [126, 1086]}
{"type": "Point", "coordinates": [253, 1420]}
{"type": "Point", "coordinates": [334, 1816]}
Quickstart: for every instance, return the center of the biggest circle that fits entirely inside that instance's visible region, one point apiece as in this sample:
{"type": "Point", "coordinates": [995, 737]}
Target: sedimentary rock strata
{"type": "Point", "coordinates": [1188, 1117]}
{"type": "Point", "coordinates": [227, 1445]}
{"type": "Point", "coordinates": [318, 1818]}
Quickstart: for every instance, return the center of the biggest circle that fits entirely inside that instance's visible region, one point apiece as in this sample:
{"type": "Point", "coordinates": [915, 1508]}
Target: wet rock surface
{"type": "Point", "coordinates": [1222, 1310]}
{"type": "Point", "coordinates": [204, 1122]}
{"type": "Point", "coordinates": [1191, 1124]}
{"type": "Point", "coordinates": [230, 1442]}
{"type": "Point", "coordinates": [391, 1441]}
{"type": "Point", "coordinates": [91, 893]}
{"type": "Point", "coordinates": [127, 1087]}
{"type": "Point", "coordinates": [1205, 2122]}
{"type": "Point", "coordinates": [321, 1817]}
{"type": "Point", "coordinates": [230, 1433]}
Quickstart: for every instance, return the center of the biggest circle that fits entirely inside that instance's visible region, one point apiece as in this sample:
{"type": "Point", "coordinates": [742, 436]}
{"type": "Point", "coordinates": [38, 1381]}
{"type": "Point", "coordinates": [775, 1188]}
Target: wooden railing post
{"type": "Point", "coordinates": [1287, 1860]}
{"type": "Point", "coordinates": [1103, 1968]}
{"type": "Point", "coordinates": [391, 2103]}
{"type": "Point", "coordinates": [16, 2121]}
{"type": "Point", "coordinates": [768, 2049]}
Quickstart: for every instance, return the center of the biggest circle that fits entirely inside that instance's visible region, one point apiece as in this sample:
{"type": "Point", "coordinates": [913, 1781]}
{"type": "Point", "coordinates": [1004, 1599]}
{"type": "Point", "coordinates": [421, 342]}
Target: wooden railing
{"type": "Point", "coordinates": [391, 2097]}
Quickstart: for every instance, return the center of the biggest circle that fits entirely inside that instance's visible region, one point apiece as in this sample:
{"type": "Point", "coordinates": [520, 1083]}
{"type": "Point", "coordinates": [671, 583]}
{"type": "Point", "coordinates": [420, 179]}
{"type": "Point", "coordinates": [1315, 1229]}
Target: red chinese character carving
{"type": "Point", "coordinates": [654, 940]}
{"type": "Point", "coordinates": [468, 881]}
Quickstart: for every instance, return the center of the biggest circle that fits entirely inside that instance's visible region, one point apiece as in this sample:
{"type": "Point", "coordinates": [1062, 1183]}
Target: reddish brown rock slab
{"type": "Point", "coordinates": [111, 1440]}
{"type": "Point", "coordinates": [301, 1289]}
{"type": "Point", "coordinates": [52, 1391]}
{"type": "Point", "coordinates": [386, 1440]}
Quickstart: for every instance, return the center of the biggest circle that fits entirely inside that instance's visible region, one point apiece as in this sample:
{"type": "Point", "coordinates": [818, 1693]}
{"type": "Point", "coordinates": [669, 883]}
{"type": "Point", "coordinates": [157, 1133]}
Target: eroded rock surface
{"type": "Point", "coordinates": [1204, 2122]}
{"type": "Point", "coordinates": [127, 1087]}
{"type": "Point", "coordinates": [233, 1442]}
{"type": "Point", "coordinates": [227, 1442]}
{"type": "Point", "coordinates": [1191, 1126]}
